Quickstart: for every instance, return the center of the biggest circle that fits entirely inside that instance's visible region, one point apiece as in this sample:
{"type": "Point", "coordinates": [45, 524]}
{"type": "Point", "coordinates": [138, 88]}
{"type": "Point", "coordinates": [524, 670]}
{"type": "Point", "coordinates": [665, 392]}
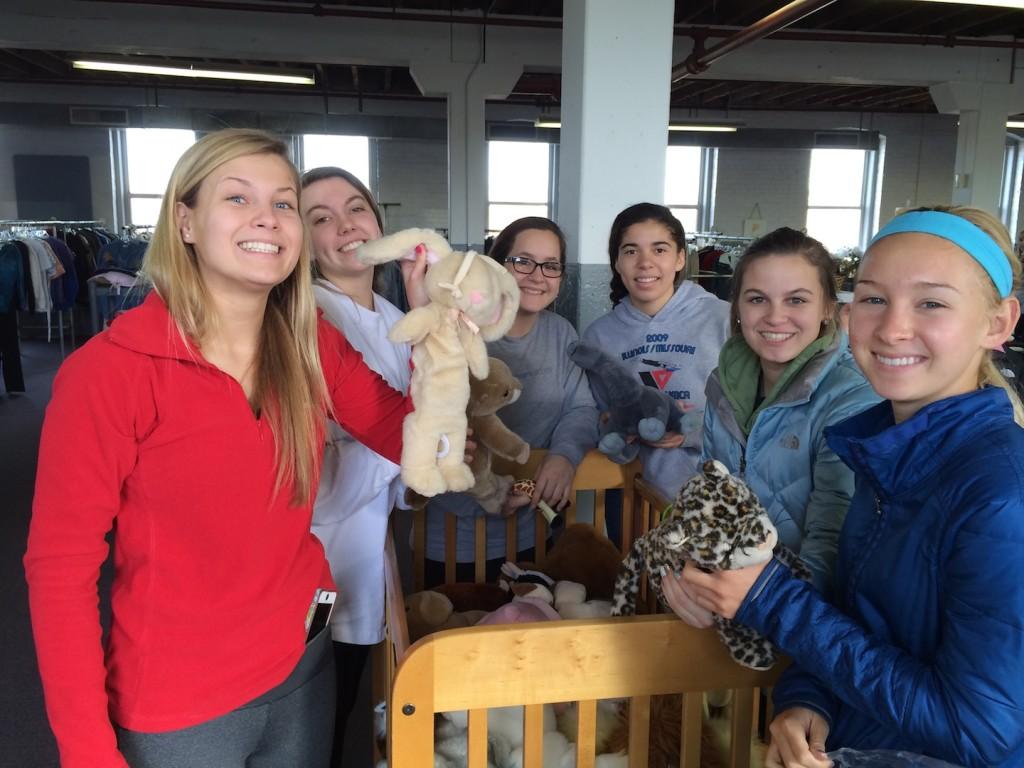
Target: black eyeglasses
{"type": "Point", "coordinates": [527, 266]}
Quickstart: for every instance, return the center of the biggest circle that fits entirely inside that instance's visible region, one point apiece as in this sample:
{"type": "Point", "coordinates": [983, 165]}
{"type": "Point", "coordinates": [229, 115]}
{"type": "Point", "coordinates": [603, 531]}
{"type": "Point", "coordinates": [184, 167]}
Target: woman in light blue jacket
{"type": "Point", "coordinates": [784, 375]}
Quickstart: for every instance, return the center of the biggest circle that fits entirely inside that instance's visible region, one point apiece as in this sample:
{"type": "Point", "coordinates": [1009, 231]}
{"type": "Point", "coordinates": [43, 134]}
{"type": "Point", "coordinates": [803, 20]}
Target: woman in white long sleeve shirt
{"type": "Point", "coordinates": [358, 487]}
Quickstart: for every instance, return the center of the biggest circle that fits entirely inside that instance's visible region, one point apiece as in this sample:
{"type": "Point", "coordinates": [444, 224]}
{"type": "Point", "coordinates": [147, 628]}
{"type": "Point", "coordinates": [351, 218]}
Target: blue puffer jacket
{"type": "Point", "coordinates": [924, 650]}
{"type": "Point", "coordinates": [795, 474]}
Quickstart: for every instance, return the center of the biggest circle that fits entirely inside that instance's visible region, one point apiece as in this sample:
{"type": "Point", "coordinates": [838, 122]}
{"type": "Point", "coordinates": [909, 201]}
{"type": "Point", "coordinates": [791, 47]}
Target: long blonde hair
{"type": "Point", "coordinates": [988, 374]}
{"type": "Point", "coordinates": [289, 382]}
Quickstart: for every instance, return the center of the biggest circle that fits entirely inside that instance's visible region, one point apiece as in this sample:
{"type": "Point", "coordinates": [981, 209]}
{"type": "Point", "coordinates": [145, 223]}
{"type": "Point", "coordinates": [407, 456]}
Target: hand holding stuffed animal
{"type": "Point", "coordinates": [473, 299]}
{"type": "Point", "coordinates": [716, 523]}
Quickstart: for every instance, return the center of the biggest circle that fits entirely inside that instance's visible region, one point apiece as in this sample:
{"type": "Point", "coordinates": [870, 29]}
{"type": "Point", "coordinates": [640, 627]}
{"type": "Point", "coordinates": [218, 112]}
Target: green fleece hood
{"type": "Point", "coordinates": [739, 371]}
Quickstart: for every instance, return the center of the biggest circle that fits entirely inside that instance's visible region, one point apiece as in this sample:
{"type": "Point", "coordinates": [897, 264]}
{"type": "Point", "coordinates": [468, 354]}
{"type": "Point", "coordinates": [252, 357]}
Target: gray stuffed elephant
{"type": "Point", "coordinates": [633, 408]}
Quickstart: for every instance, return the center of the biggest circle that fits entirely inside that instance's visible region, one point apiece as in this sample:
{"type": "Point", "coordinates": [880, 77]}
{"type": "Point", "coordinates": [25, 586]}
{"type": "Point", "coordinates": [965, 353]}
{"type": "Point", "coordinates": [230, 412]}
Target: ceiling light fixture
{"type": "Point", "coordinates": [707, 127]}
{"type": "Point", "coordinates": [1015, 124]}
{"type": "Point", "coordinates": [704, 127]}
{"type": "Point", "coordinates": [997, 3]}
{"type": "Point", "coordinates": [193, 72]}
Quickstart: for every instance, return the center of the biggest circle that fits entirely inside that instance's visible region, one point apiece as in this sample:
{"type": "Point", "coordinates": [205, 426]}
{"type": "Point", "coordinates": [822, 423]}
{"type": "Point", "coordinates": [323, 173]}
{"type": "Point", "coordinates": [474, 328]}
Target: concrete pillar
{"type": "Point", "coordinates": [616, 71]}
{"type": "Point", "coordinates": [981, 139]}
{"type": "Point", "coordinates": [466, 79]}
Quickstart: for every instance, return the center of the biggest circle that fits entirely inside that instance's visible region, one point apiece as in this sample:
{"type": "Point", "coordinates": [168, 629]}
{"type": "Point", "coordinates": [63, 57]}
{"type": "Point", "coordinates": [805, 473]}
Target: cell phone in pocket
{"type": "Point", "coordinates": [320, 610]}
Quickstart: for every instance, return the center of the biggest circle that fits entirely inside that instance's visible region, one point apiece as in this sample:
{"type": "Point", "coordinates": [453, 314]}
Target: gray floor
{"type": "Point", "coordinates": [25, 737]}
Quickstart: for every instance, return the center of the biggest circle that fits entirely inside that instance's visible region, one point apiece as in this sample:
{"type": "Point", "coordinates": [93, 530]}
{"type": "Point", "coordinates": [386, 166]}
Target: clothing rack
{"type": "Point", "coordinates": [46, 223]}
{"type": "Point", "coordinates": [33, 227]}
{"type": "Point", "coordinates": [718, 238]}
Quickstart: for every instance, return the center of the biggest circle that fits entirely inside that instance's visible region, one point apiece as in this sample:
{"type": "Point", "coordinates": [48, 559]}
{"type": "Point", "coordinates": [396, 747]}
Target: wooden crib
{"type": "Point", "coordinates": [477, 668]}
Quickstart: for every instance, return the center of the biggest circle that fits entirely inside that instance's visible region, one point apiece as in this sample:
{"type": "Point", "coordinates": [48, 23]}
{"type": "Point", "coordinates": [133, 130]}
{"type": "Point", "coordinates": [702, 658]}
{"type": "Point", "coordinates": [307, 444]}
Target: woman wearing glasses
{"type": "Point", "coordinates": [556, 410]}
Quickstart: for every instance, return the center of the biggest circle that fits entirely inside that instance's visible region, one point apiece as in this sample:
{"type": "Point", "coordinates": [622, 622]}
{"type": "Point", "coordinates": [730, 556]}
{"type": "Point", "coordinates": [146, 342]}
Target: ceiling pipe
{"type": "Point", "coordinates": [700, 59]}
{"type": "Point", "coordinates": [318, 9]}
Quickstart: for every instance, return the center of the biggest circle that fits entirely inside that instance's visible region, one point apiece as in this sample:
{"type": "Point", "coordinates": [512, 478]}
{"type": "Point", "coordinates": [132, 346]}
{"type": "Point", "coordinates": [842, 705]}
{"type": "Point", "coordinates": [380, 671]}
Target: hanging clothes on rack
{"type": "Point", "coordinates": [716, 255]}
{"type": "Point", "coordinates": [11, 289]}
{"type": "Point", "coordinates": [50, 270]}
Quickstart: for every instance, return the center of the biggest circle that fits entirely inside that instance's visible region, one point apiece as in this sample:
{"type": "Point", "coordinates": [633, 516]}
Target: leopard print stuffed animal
{"type": "Point", "coordinates": [718, 524]}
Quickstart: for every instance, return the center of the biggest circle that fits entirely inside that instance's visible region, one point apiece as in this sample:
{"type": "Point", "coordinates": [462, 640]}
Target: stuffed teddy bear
{"type": "Point", "coordinates": [429, 611]}
{"type": "Point", "coordinates": [634, 410]}
{"type": "Point", "coordinates": [473, 299]}
{"type": "Point", "coordinates": [486, 396]}
{"type": "Point", "coordinates": [717, 523]}
{"type": "Point", "coordinates": [583, 555]}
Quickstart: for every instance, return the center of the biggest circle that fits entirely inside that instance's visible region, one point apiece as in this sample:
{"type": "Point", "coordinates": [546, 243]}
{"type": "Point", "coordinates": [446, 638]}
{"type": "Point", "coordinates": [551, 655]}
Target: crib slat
{"type": "Point", "coordinates": [693, 720]}
{"type": "Point", "coordinates": [569, 513]}
{"type": "Point", "coordinates": [533, 736]}
{"type": "Point", "coordinates": [449, 548]}
{"type": "Point", "coordinates": [742, 717]}
{"type": "Point", "coordinates": [511, 541]}
{"type": "Point", "coordinates": [477, 739]}
{"type": "Point", "coordinates": [769, 710]}
{"type": "Point", "coordinates": [480, 565]}
{"type": "Point", "coordinates": [639, 730]}
{"type": "Point", "coordinates": [419, 548]}
{"type": "Point", "coordinates": [586, 730]}
{"type": "Point", "coordinates": [599, 510]}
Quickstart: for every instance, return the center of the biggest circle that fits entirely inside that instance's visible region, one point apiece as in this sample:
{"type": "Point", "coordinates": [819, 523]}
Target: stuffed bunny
{"type": "Point", "coordinates": [473, 299]}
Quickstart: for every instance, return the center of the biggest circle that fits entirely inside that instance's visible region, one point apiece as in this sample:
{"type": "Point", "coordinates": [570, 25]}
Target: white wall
{"type": "Point", "coordinates": [26, 140]}
{"type": "Point", "coordinates": [918, 170]}
{"type": "Point", "coordinates": [773, 179]}
{"type": "Point", "coordinates": [413, 173]}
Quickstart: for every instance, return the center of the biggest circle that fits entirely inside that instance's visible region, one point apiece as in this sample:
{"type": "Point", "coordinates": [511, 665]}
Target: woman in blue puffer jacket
{"type": "Point", "coordinates": [784, 375]}
{"type": "Point", "coordinates": [923, 648]}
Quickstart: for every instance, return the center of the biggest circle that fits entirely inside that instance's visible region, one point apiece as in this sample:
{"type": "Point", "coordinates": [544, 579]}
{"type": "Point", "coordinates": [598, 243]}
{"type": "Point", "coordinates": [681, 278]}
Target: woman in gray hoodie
{"type": "Point", "coordinates": [669, 332]}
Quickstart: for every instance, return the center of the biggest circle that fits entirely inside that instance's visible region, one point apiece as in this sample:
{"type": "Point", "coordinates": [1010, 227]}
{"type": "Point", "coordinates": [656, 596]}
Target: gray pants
{"type": "Point", "coordinates": [290, 726]}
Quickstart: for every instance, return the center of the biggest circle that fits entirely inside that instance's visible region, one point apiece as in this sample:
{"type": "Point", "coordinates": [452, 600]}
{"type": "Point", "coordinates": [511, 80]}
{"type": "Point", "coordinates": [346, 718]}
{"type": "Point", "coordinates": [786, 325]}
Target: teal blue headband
{"type": "Point", "coordinates": [979, 244]}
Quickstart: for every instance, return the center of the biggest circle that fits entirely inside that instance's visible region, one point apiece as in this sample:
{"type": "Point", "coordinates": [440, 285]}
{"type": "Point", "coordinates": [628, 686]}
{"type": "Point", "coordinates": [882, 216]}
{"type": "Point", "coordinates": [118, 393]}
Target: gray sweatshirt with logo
{"type": "Point", "coordinates": [675, 351]}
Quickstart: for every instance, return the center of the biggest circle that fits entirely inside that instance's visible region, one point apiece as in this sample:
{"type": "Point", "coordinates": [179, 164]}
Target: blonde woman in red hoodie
{"type": "Point", "coordinates": [193, 428]}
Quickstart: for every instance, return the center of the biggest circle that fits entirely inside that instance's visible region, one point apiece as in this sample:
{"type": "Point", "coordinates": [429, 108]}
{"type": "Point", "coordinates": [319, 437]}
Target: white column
{"type": "Point", "coordinates": [616, 72]}
{"type": "Point", "coordinates": [466, 80]}
{"type": "Point", "coordinates": [981, 139]}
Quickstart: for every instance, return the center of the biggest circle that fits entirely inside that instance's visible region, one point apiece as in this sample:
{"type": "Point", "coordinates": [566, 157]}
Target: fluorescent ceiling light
{"type": "Point", "coordinates": [1015, 124]}
{"type": "Point", "coordinates": [708, 127]}
{"type": "Point", "coordinates": [997, 3]}
{"type": "Point", "coordinates": [703, 127]}
{"type": "Point", "coordinates": [215, 74]}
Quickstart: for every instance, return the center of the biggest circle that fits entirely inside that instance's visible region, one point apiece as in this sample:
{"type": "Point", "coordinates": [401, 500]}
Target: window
{"type": "Point", "coordinates": [683, 184]}
{"type": "Point", "coordinates": [352, 153]}
{"type": "Point", "coordinates": [518, 182]}
{"type": "Point", "coordinates": [1009, 192]}
{"type": "Point", "coordinates": [835, 197]}
{"type": "Point", "coordinates": [151, 155]}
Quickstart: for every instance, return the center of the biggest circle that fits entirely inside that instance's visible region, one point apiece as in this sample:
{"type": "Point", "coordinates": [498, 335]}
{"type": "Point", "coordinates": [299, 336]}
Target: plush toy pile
{"type": "Point", "coordinates": [716, 523]}
{"type": "Point", "coordinates": [473, 299]}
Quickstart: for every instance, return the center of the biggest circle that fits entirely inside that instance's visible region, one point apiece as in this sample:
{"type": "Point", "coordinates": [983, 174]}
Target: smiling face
{"type": "Point", "coordinates": [782, 308]}
{"type": "Point", "coordinates": [340, 219]}
{"type": "Point", "coordinates": [244, 228]}
{"type": "Point", "coordinates": [536, 291]}
{"type": "Point", "coordinates": [648, 260]}
{"type": "Point", "coordinates": [921, 320]}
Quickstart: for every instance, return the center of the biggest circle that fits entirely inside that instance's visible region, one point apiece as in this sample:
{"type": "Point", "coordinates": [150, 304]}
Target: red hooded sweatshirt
{"type": "Point", "coordinates": [214, 571]}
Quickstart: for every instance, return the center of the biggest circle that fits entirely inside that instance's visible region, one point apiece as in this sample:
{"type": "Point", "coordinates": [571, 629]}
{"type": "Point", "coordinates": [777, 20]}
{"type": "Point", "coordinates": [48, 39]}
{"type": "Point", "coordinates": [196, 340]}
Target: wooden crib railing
{"type": "Point", "coordinates": [595, 473]}
{"type": "Point", "coordinates": [531, 665]}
